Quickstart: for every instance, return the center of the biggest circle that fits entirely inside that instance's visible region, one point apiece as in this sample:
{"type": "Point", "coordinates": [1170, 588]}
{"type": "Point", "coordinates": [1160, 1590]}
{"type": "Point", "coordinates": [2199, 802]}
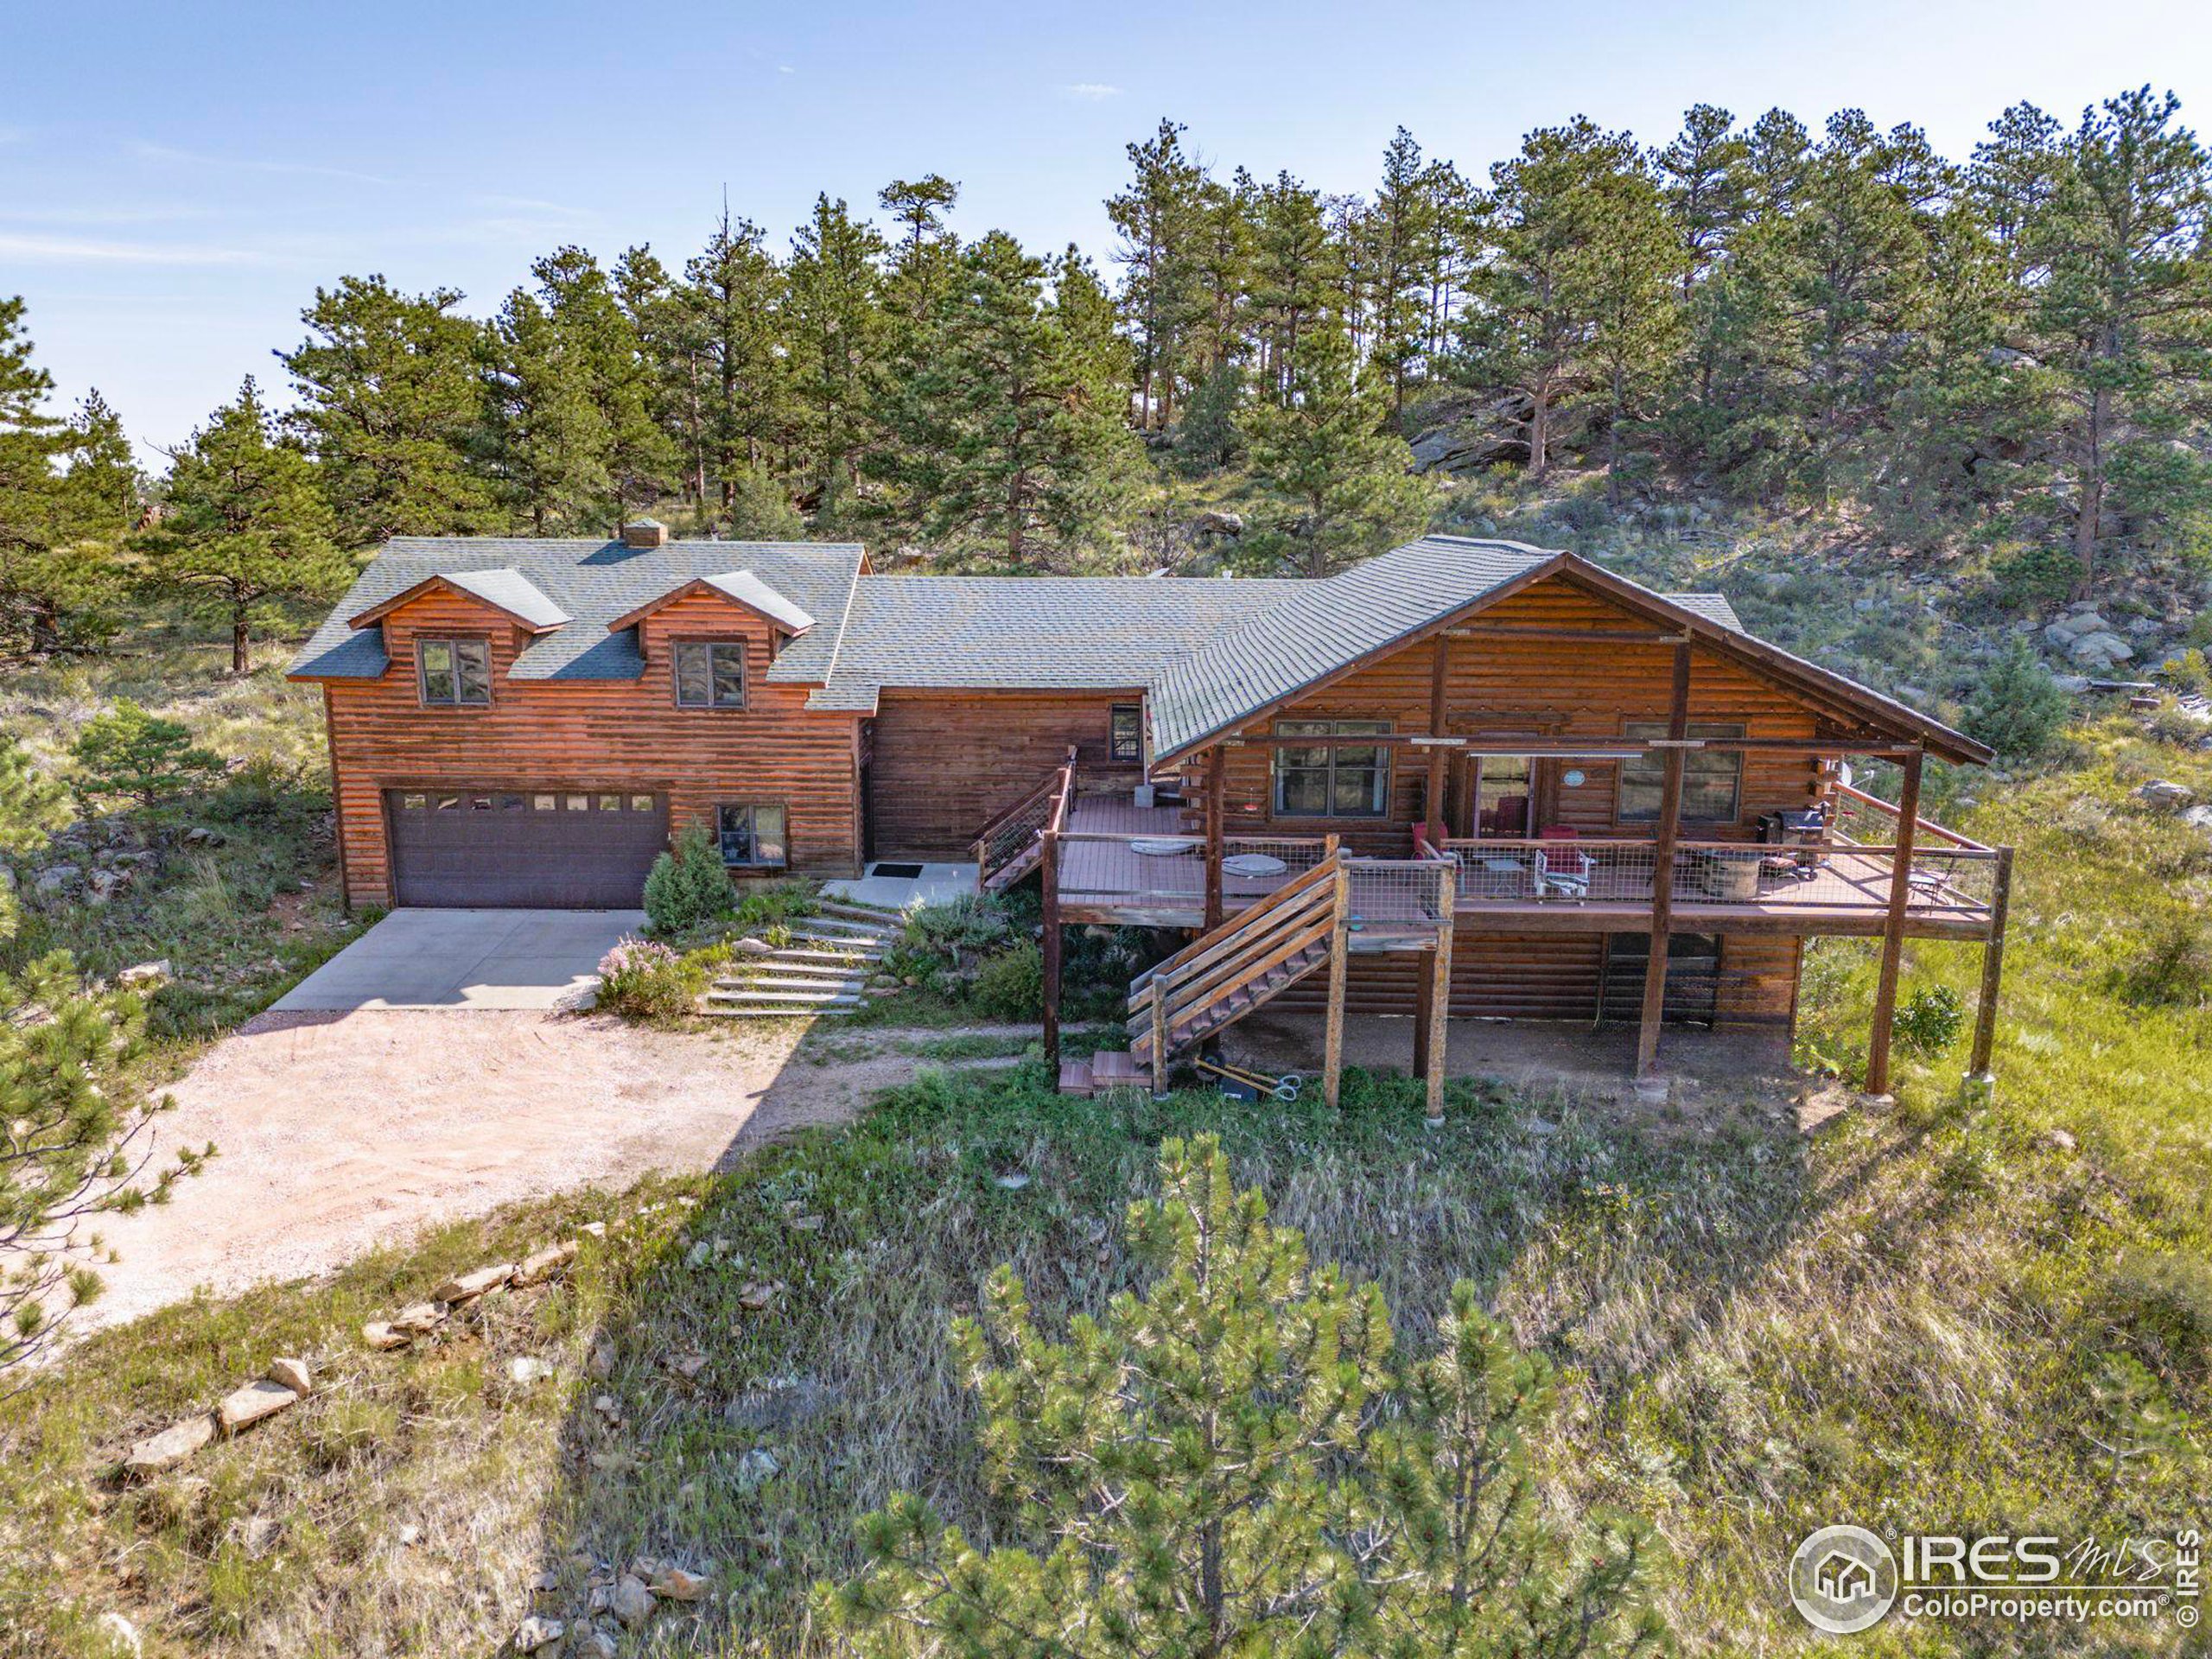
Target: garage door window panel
{"type": "Point", "coordinates": [751, 836]}
{"type": "Point", "coordinates": [455, 673]}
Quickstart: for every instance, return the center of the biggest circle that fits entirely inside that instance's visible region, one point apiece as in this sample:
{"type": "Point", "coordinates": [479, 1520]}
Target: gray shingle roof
{"type": "Point", "coordinates": [593, 582]}
{"type": "Point", "coordinates": [1098, 633]}
{"type": "Point", "coordinates": [748, 589]}
{"type": "Point", "coordinates": [513, 592]}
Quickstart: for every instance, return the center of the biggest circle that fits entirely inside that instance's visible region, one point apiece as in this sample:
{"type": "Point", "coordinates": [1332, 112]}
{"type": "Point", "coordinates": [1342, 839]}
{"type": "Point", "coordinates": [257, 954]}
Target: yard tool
{"type": "Point", "coordinates": [1284, 1088]}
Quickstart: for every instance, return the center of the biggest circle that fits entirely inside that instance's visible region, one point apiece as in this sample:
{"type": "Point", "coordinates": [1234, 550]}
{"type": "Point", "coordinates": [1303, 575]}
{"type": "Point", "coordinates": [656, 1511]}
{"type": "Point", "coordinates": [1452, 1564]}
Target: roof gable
{"type": "Point", "coordinates": [508, 592]}
{"type": "Point", "coordinates": [740, 587]}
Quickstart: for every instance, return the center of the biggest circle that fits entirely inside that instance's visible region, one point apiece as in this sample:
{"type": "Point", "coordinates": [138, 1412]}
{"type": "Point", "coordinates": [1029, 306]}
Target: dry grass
{"type": "Point", "coordinates": [1934, 1317]}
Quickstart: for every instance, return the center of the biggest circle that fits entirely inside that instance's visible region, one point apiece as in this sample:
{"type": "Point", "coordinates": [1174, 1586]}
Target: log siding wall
{"type": "Point", "coordinates": [592, 734]}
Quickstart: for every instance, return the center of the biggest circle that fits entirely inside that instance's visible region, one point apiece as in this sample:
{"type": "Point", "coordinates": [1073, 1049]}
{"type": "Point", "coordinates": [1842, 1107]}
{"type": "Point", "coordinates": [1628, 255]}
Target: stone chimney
{"type": "Point", "coordinates": [645, 532]}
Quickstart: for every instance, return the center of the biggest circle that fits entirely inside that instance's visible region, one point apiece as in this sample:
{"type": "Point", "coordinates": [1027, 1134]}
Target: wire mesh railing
{"type": "Point", "coordinates": [1953, 879]}
{"type": "Point", "coordinates": [1397, 894]}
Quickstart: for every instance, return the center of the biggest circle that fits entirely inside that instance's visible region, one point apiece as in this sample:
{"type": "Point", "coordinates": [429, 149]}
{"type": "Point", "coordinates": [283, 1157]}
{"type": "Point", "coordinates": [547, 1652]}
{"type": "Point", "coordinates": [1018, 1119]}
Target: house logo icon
{"type": "Point", "coordinates": [1843, 1579]}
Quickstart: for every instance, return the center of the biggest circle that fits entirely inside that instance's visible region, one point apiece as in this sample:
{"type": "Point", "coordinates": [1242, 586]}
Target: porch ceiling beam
{"type": "Point", "coordinates": [1499, 631]}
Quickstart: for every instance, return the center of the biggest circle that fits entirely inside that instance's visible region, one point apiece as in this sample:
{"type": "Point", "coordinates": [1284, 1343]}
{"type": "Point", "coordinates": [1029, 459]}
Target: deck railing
{"type": "Point", "coordinates": [1102, 867]}
{"type": "Point", "coordinates": [1861, 819]}
{"type": "Point", "coordinates": [1013, 837]}
{"type": "Point", "coordinates": [1944, 879]}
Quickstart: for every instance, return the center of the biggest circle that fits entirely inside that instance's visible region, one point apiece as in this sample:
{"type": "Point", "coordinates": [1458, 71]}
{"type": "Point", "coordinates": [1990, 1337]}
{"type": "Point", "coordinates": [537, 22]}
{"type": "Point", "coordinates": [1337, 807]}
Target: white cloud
{"type": "Point", "coordinates": [1090, 91]}
{"type": "Point", "coordinates": [70, 249]}
{"type": "Point", "coordinates": [785, 69]}
{"type": "Point", "coordinates": [171, 156]}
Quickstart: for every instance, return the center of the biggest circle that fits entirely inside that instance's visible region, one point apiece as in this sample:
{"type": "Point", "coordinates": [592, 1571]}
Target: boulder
{"type": "Point", "coordinates": [631, 1602]}
{"type": "Point", "coordinates": [243, 1407]}
{"type": "Point", "coordinates": [379, 1335]}
{"type": "Point", "coordinates": [171, 1446]}
{"type": "Point", "coordinates": [2073, 684]}
{"type": "Point", "coordinates": [672, 1583]}
{"type": "Point", "coordinates": [418, 1319]}
{"type": "Point", "coordinates": [541, 1265]}
{"type": "Point", "coordinates": [536, 1632]}
{"type": "Point", "coordinates": [469, 1286]}
{"type": "Point", "coordinates": [2166, 796]}
{"type": "Point", "coordinates": [1214, 522]}
{"type": "Point", "coordinates": [145, 973]}
{"type": "Point", "coordinates": [2072, 626]}
{"type": "Point", "coordinates": [2101, 648]}
{"type": "Point", "coordinates": [57, 878]}
{"type": "Point", "coordinates": [292, 1373]}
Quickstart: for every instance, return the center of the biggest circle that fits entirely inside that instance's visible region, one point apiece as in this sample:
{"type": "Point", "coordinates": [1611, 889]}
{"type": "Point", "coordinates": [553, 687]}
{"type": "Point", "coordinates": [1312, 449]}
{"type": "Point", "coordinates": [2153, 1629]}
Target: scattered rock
{"type": "Point", "coordinates": [379, 1335]}
{"type": "Point", "coordinates": [805, 1223]}
{"type": "Point", "coordinates": [776, 1406]}
{"type": "Point", "coordinates": [699, 1255]}
{"type": "Point", "coordinates": [527, 1369]}
{"type": "Point", "coordinates": [541, 1265]}
{"type": "Point", "coordinates": [607, 1407]}
{"type": "Point", "coordinates": [408, 1534]}
{"type": "Point", "coordinates": [469, 1286]}
{"type": "Point", "coordinates": [593, 1229]}
{"type": "Point", "coordinates": [258, 1535]}
{"type": "Point", "coordinates": [755, 1467]}
{"type": "Point", "coordinates": [171, 1446]}
{"type": "Point", "coordinates": [2166, 796]}
{"type": "Point", "coordinates": [145, 973]}
{"type": "Point", "coordinates": [2101, 648]}
{"type": "Point", "coordinates": [758, 1298]}
{"type": "Point", "coordinates": [418, 1319]}
{"type": "Point", "coordinates": [601, 1646]}
{"type": "Point", "coordinates": [631, 1602]}
{"type": "Point", "coordinates": [2063, 1139]}
{"type": "Point", "coordinates": [201, 835]}
{"type": "Point", "coordinates": [535, 1632]}
{"type": "Point", "coordinates": [672, 1583]}
{"type": "Point", "coordinates": [243, 1407]}
{"type": "Point", "coordinates": [753, 947]}
{"type": "Point", "coordinates": [1541, 1126]}
{"type": "Point", "coordinates": [121, 1634]}
{"type": "Point", "coordinates": [1013, 1180]}
{"type": "Point", "coordinates": [601, 1363]}
{"type": "Point", "coordinates": [56, 878]}
{"type": "Point", "coordinates": [545, 1583]}
{"type": "Point", "coordinates": [292, 1373]}
{"type": "Point", "coordinates": [1213, 522]}
{"type": "Point", "coordinates": [688, 1366]}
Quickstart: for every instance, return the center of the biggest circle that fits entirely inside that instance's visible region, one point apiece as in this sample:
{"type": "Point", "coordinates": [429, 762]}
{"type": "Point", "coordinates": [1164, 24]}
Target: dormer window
{"type": "Point", "coordinates": [454, 673]}
{"type": "Point", "coordinates": [709, 673]}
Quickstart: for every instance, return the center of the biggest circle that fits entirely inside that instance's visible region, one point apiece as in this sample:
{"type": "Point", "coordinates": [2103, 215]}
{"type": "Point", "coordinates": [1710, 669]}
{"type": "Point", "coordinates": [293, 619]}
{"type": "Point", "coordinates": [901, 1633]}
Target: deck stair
{"type": "Point", "coordinates": [825, 968]}
{"type": "Point", "coordinates": [1239, 966]}
{"type": "Point", "coordinates": [1113, 1068]}
{"type": "Point", "coordinates": [1013, 844]}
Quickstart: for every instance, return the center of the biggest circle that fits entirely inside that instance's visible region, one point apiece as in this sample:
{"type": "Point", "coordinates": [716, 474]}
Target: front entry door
{"type": "Point", "coordinates": [1502, 796]}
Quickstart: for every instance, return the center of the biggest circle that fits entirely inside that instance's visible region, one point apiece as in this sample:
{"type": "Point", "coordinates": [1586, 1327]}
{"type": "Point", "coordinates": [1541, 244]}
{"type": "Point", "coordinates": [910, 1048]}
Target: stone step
{"type": "Point", "coordinates": [833, 957]}
{"type": "Point", "coordinates": [722, 1011]}
{"type": "Point", "coordinates": [793, 982]}
{"type": "Point", "coordinates": [797, 998]}
{"type": "Point", "coordinates": [843, 925]}
{"type": "Point", "coordinates": [853, 910]}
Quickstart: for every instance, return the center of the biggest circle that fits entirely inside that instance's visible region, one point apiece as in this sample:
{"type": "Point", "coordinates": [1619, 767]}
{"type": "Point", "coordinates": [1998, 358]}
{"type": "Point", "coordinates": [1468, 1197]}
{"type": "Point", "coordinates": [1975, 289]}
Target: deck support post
{"type": "Point", "coordinates": [1049, 870]}
{"type": "Point", "coordinates": [1662, 867]}
{"type": "Point", "coordinates": [1439, 994]}
{"type": "Point", "coordinates": [1216, 771]}
{"type": "Point", "coordinates": [1992, 973]}
{"type": "Point", "coordinates": [1159, 1036]}
{"type": "Point", "coordinates": [1885, 986]}
{"type": "Point", "coordinates": [1332, 1041]}
{"type": "Point", "coordinates": [1425, 975]}
{"type": "Point", "coordinates": [1440, 757]}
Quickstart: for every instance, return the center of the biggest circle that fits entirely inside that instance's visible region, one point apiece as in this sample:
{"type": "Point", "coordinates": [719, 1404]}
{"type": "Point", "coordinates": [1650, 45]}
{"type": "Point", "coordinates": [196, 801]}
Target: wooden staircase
{"type": "Point", "coordinates": [824, 970]}
{"type": "Point", "coordinates": [1239, 966]}
{"type": "Point", "coordinates": [1013, 844]}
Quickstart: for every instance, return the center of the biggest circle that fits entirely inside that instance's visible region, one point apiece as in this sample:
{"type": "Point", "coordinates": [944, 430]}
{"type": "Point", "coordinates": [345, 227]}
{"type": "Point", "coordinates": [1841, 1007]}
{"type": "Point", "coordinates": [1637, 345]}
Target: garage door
{"type": "Point", "coordinates": [558, 849]}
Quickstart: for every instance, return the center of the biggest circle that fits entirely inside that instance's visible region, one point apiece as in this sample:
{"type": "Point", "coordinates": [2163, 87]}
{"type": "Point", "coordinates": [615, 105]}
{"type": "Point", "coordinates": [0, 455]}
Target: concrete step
{"type": "Point", "coordinates": [852, 909]}
{"type": "Point", "coordinates": [829, 957]}
{"type": "Point", "coordinates": [841, 925]}
{"type": "Point", "coordinates": [853, 942]}
{"type": "Point", "coordinates": [792, 982]}
{"type": "Point", "coordinates": [723, 1011]}
{"type": "Point", "coordinates": [807, 998]}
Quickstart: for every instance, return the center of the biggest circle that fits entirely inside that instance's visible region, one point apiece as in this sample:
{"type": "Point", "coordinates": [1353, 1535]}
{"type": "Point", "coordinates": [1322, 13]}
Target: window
{"type": "Point", "coordinates": [455, 673]}
{"type": "Point", "coordinates": [1125, 732]}
{"type": "Point", "coordinates": [1711, 777]}
{"type": "Point", "coordinates": [1343, 781]}
{"type": "Point", "coordinates": [709, 674]}
{"type": "Point", "coordinates": [751, 836]}
{"type": "Point", "coordinates": [1503, 793]}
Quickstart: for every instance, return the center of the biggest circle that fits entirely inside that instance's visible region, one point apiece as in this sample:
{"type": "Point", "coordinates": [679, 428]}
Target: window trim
{"type": "Point", "coordinates": [1712, 729]}
{"type": "Point", "coordinates": [710, 644]}
{"type": "Point", "coordinates": [754, 808]}
{"type": "Point", "coordinates": [1330, 741]}
{"type": "Point", "coordinates": [1135, 753]}
{"type": "Point", "coordinates": [453, 642]}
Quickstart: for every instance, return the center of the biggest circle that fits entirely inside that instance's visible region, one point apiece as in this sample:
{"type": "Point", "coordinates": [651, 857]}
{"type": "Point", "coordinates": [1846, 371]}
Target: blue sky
{"type": "Point", "coordinates": [176, 180]}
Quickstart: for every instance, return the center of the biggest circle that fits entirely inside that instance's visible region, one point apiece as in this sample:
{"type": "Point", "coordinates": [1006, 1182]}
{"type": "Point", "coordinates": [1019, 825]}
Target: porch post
{"type": "Point", "coordinates": [1439, 994]}
{"type": "Point", "coordinates": [1332, 1053]}
{"type": "Point", "coordinates": [1424, 976]}
{"type": "Point", "coordinates": [1440, 757]}
{"type": "Point", "coordinates": [1216, 770]}
{"type": "Point", "coordinates": [1663, 866]}
{"type": "Point", "coordinates": [1993, 970]}
{"type": "Point", "coordinates": [1886, 987]}
{"type": "Point", "coordinates": [1049, 868]}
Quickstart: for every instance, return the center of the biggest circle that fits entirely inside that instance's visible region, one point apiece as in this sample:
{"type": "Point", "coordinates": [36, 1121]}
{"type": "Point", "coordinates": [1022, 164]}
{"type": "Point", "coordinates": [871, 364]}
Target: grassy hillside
{"type": "Point", "coordinates": [1936, 1316]}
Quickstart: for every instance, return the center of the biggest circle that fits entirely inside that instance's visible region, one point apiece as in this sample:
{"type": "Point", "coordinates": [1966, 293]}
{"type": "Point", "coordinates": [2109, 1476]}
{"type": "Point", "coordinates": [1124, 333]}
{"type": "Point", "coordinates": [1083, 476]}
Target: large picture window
{"type": "Point", "coordinates": [751, 836]}
{"type": "Point", "coordinates": [455, 673]}
{"type": "Point", "coordinates": [1340, 780]}
{"type": "Point", "coordinates": [1711, 779]}
{"type": "Point", "coordinates": [709, 674]}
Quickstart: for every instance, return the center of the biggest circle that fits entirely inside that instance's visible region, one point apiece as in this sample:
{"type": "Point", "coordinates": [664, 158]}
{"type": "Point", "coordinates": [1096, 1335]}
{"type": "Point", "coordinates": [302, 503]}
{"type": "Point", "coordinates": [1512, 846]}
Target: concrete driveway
{"type": "Point", "coordinates": [537, 959]}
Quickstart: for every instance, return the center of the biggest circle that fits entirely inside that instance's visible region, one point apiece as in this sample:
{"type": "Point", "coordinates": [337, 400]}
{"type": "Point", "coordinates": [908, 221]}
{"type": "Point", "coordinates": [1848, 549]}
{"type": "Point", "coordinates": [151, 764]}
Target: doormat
{"type": "Point", "coordinates": [903, 872]}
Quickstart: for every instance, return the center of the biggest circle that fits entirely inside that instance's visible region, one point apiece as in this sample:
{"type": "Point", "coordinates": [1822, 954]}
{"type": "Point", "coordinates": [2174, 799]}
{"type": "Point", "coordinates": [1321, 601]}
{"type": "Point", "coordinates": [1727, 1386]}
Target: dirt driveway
{"type": "Point", "coordinates": [340, 1132]}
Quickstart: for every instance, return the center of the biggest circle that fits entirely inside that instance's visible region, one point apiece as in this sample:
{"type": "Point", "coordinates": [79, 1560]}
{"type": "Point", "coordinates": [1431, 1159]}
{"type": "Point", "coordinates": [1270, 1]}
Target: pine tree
{"type": "Point", "coordinates": [1155, 216]}
{"type": "Point", "coordinates": [1203, 1471]}
{"type": "Point", "coordinates": [674, 368]}
{"type": "Point", "coordinates": [734, 291]}
{"type": "Point", "coordinates": [1707, 188]}
{"type": "Point", "coordinates": [1403, 223]}
{"type": "Point", "coordinates": [837, 332]}
{"type": "Point", "coordinates": [1340, 485]}
{"type": "Point", "coordinates": [921, 263]}
{"type": "Point", "coordinates": [550, 440]}
{"type": "Point", "coordinates": [1622, 278]}
{"type": "Point", "coordinates": [1293, 276]}
{"type": "Point", "coordinates": [392, 407]}
{"type": "Point", "coordinates": [247, 525]}
{"type": "Point", "coordinates": [636, 458]}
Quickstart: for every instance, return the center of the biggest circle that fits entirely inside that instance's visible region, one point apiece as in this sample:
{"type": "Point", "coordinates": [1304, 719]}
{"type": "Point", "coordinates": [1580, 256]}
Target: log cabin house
{"type": "Point", "coordinates": [1466, 777]}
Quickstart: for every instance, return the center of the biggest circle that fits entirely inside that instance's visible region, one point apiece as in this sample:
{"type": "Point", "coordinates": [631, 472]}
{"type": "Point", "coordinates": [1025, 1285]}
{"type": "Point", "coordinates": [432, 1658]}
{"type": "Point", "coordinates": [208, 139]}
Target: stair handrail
{"type": "Point", "coordinates": [1238, 928]}
{"type": "Point", "coordinates": [1052, 795]}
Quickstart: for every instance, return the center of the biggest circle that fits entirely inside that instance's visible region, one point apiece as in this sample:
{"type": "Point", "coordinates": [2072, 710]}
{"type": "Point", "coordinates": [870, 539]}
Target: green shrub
{"type": "Point", "coordinates": [642, 979]}
{"type": "Point", "coordinates": [1930, 1020]}
{"type": "Point", "coordinates": [766, 903]}
{"type": "Point", "coordinates": [2032, 577]}
{"type": "Point", "coordinates": [2174, 969]}
{"type": "Point", "coordinates": [2018, 709]}
{"type": "Point", "coordinates": [688, 885]}
{"type": "Point", "coordinates": [127, 753]}
{"type": "Point", "coordinates": [2189, 671]}
{"type": "Point", "coordinates": [1011, 985]}
{"type": "Point", "coordinates": [2163, 1304]}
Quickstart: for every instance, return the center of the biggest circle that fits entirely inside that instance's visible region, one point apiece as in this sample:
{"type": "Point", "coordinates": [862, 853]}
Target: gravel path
{"type": "Point", "coordinates": [337, 1132]}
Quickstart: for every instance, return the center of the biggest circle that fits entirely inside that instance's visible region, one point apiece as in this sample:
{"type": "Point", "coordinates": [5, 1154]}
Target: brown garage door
{"type": "Point", "coordinates": [558, 849]}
